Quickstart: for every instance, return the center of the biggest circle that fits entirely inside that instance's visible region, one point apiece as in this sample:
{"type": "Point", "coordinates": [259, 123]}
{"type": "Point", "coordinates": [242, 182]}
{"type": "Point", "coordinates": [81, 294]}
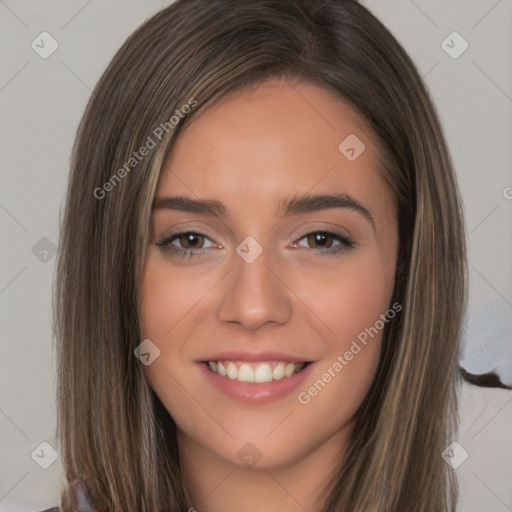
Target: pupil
{"type": "Point", "coordinates": [320, 239]}
{"type": "Point", "coordinates": [190, 241]}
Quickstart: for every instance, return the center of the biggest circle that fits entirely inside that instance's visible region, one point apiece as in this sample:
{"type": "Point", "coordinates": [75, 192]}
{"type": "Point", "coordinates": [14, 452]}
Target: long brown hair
{"type": "Point", "coordinates": [113, 431]}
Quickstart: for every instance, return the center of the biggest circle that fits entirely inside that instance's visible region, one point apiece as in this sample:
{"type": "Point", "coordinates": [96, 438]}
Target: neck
{"type": "Point", "coordinates": [216, 484]}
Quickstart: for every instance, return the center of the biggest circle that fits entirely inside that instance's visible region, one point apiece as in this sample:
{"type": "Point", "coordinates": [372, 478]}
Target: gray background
{"type": "Point", "coordinates": [41, 102]}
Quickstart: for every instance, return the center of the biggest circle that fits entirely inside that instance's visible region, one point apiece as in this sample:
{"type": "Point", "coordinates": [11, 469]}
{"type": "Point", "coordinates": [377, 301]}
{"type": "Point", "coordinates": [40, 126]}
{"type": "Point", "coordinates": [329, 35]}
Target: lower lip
{"type": "Point", "coordinates": [252, 392]}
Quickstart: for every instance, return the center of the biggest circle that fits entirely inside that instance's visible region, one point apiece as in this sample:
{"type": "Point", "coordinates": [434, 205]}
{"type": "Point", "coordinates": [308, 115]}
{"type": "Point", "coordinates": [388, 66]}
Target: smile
{"type": "Point", "coordinates": [256, 372]}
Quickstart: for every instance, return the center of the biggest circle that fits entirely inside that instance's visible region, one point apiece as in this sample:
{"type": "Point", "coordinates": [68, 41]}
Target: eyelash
{"type": "Point", "coordinates": [166, 243]}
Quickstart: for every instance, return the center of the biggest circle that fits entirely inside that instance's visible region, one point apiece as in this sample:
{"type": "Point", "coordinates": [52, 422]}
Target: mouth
{"type": "Point", "coordinates": [256, 372]}
{"type": "Point", "coordinates": [255, 377]}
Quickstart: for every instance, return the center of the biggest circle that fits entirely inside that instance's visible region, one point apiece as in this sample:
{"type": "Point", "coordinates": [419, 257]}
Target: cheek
{"type": "Point", "coordinates": [350, 300]}
{"type": "Point", "coordinates": [351, 304]}
{"type": "Point", "coordinates": [172, 304]}
{"type": "Point", "coordinates": [168, 296]}
{"type": "Point", "coordinates": [165, 300]}
{"type": "Point", "coordinates": [161, 309]}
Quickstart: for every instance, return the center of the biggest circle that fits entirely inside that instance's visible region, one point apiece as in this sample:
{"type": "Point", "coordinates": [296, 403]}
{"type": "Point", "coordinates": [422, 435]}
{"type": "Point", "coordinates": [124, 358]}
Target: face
{"type": "Point", "coordinates": [269, 274]}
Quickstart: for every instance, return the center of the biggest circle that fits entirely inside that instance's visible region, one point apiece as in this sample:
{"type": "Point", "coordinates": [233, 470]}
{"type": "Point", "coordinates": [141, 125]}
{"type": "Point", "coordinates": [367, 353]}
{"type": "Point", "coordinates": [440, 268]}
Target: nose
{"type": "Point", "coordinates": [254, 296]}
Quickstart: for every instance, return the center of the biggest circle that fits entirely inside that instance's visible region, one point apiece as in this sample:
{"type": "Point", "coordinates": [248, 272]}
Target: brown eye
{"type": "Point", "coordinates": [325, 243]}
{"type": "Point", "coordinates": [187, 243]}
{"type": "Point", "coordinates": [190, 240]}
{"type": "Point", "coordinates": [320, 240]}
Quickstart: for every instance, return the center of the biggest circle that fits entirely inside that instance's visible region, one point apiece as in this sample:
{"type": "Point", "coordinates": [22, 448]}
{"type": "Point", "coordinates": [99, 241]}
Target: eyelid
{"type": "Point", "coordinates": [202, 231]}
{"type": "Point", "coordinates": [176, 234]}
{"type": "Point", "coordinates": [207, 239]}
{"type": "Point", "coordinates": [336, 231]}
{"type": "Point", "coordinates": [165, 243]}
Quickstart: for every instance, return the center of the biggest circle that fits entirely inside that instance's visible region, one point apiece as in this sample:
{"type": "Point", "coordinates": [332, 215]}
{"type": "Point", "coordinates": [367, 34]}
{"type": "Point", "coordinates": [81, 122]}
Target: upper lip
{"type": "Point", "coordinates": [255, 357]}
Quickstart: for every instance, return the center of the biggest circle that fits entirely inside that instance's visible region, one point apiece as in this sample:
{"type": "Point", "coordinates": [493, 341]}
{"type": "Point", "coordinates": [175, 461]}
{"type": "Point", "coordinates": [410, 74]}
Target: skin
{"type": "Point", "coordinates": [250, 150]}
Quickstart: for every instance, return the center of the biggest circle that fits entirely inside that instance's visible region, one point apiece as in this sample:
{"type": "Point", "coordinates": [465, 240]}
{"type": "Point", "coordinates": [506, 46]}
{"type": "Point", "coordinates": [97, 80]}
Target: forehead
{"type": "Point", "coordinates": [272, 140]}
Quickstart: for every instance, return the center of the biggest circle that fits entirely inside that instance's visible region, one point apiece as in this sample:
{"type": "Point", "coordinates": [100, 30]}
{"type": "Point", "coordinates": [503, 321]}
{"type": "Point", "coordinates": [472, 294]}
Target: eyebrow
{"type": "Point", "coordinates": [285, 208]}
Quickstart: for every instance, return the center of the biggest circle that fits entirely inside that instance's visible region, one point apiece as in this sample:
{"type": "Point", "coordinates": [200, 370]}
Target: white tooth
{"type": "Point", "coordinates": [232, 370]}
{"type": "Point", "coordinates": [289, 370]}
{"type": "Point", "coordinates": [213, 366]}
{"type": "Point", "coordinates": [263, 373]}
{"type": "Point", "coordinates": [279, 371]}
{"type": "Point", "coordinates": [246, 373]}
{"type": "Point", "coordinates": [221, 370]}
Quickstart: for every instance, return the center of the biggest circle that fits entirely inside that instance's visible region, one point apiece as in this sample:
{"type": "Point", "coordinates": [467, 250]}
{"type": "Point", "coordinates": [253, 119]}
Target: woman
{"type": "Point", "coordinates": [262, 271]}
